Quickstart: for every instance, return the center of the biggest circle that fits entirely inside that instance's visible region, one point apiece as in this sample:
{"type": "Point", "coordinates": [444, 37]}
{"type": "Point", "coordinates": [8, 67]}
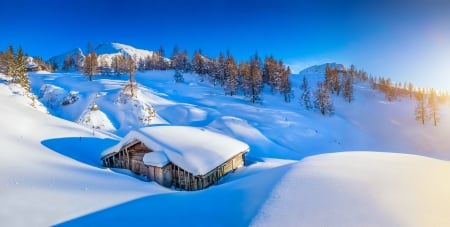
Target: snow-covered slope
{"type": "Point", "coordinates": [51, 170]}
{"type": "Point", "coordinates": [60, 166]}
{"type": "Point", "coordinates": [360, 189]}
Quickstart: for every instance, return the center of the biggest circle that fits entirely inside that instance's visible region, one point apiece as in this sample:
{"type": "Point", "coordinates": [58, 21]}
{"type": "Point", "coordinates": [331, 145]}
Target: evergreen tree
{"type": "Point", "coordinates": [176, 58]}
{"type": "Point", "coordinates": [433, 107]}
{"type": "Point", "coordinates": [6, 61]}
{"type": "Point", "coordinates": [90, 65]}
{"type": "Point", "coordinates": [199, 65]}
{"type": "Point", "coordinates": [332, 81]}
{"type": "Point", "coordinates": [420, 110]}
{"type": "Point", "coordinates": [178, 77]}
{"type": "Point", "coordinates": [68, 63]}
{"type": "Point", "coordinates": [161, 62]}
{"type": "Point", "coordinates": [285, 84]}
{"type": "Point", "coordinates": [118, 64]}
{"type": "Point", "coordinates": [231, 74]}
{"type": "Point", "coordinates": [244, 74]}
{"type": "Point", "coordinates": [10, 71]}
{"type": "Point", "coordinates": [185, 63]}
{"type": "Point", "coordinates": [130, 67]}
{"type": "Point", "coordinates": [272, 73]}
{"type": "Point", "coordinates": [305, 98]}
{"type": "Point", "coordinates": [410, 90]}
{"type": "Point", "coordinates": [322, 100]}
{"type": "Point", "coordinates": [348, 86]}
{"type": "Point", "coordinates": [18, 69]}
{"type": "Point", "coordinates": [255, 86]}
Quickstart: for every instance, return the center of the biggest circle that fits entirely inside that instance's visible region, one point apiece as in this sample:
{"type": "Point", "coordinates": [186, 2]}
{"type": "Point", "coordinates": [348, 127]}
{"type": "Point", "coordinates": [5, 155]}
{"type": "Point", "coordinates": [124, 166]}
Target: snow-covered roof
{"type": "Point", "coordinates": [156, 158]}
{"type": "Point", "coordinates": [196, 150]}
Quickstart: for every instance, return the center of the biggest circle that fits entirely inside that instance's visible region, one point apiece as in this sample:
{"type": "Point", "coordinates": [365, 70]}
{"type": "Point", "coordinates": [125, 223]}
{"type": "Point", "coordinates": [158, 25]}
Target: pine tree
{"type": "Point", "coordinates": [285, 84]}
{"type": "Point", "coordinates": [332, 81]}
{"type": "Point", "coordinates": [255, 88]}
{"type": "Point", "coordinates": [176, 58]}
{"type": "Point", "coordinates": [348, 86]}
{"type": "Point", "coordinates": [68, 63]}
{"type": "Point", "coordinates": [161, 62]}
{"type": "Point", "coordinates": [117, 64]}
{"type": "Point", "coordinates": [90, 65]}
{"type": "Point", "coordinates": [420, 110]}
{"type": "Point", "coordinates": [433, 108]}
{"type": "Point", "coordinates": [322, 100]}
{"type": "Point", "coordinates": [305, 98]}
{"type": "Point", "coordinates": [10, 71]}
{"type": "Point", "coordinates": [130, 67]}
{"type": "Point", "coordinates": [244, 74]}
{"type": "Point", "coordinates": [272, 73]}
{"type": "Point", "coordinates": [20, 68]}
{"type": "Point", "coordinates": [178, 77]}
{"type": "Point", "coordinates": [199, 65]}
{"type": "Point", "coordinates": [185, 63]}
{"type": "Point", "coordinates": [231, 74]}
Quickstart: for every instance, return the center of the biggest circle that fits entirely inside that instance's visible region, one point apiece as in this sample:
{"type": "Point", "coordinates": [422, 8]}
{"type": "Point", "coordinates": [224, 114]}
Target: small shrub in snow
{"type": "Point", "coordinates": [178, 77]}
{"type": "Point", "coordinates": [70, 98]}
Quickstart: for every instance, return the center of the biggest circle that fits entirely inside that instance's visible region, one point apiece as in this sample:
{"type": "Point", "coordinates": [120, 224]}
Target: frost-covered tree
{"type": "Point", "coordinates": [420, 111]}
{"type": "Point", "coordinates": [433, 107]}
{"type": "Point", "coordinates": [305, 97]}
{"type": "Point", "coordinates": [322, 100]}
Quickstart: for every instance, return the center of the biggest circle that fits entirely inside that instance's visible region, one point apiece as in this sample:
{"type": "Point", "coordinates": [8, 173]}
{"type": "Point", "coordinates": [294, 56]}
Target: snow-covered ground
{"type": "Point", "coordinates": [51, 172]}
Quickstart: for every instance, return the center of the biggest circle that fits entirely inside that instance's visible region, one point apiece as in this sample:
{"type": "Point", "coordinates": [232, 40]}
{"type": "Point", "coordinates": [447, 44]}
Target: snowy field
{"type": "Point", "coordinates": [297, 172]}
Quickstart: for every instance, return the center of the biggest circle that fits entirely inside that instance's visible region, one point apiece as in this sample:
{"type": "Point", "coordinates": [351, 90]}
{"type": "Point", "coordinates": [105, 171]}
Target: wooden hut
{"type": "Point", "coordinates": [177, 156]}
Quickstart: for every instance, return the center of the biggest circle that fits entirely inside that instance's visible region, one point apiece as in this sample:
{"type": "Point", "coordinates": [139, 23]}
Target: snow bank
{"type": "Point", "coordinates": [360, 189]}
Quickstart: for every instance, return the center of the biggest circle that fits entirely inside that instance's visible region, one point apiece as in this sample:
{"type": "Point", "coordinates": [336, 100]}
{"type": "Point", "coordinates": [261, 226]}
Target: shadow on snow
{"type": "Point", "coordinates": [231, 204]}
{"type": "Point", "coordinates": [87, 150]}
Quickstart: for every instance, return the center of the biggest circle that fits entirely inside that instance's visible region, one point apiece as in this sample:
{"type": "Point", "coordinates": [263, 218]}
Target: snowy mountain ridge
{"type": "Point", "coordinates": [320, 69]}
{"type": "Point", "coordinates": [105, 54]}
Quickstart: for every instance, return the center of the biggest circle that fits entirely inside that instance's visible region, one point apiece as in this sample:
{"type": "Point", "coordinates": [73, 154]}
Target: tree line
{"type": "Point", "coordinates": [428, 101]}
{"type": "Point", "coordinates": [246, 77]}
{"type": "Point", "coordinates": [338, 82]}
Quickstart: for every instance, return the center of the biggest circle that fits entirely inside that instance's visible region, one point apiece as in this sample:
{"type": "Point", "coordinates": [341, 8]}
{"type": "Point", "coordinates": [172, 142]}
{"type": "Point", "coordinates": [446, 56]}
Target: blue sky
{"type": "Point", "coordinates": [403, 40]}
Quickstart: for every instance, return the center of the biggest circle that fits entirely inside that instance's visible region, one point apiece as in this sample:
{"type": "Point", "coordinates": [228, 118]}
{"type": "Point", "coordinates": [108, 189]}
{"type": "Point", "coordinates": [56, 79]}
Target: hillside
{"type": "Point", "coordinates": [287, 180]}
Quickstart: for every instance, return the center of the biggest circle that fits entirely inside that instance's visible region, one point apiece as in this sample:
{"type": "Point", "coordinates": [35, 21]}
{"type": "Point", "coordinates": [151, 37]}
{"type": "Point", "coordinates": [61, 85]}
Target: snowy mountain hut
{"type": "Point", "coordinates": [177, 156]}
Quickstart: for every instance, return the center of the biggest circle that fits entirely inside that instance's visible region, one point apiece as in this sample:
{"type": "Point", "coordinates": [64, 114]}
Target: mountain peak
{"type": "Point", "coordinates": [320, 69]}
